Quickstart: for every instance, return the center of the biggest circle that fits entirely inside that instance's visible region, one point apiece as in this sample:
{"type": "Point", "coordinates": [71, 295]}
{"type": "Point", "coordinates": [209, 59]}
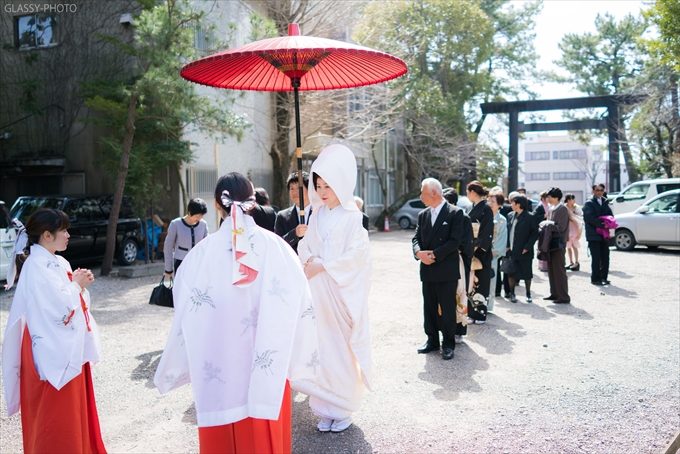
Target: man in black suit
{"type": "Point", "coordinates": [287, 224]}
{"type": "Point", "coordinates": [598, 246]}
{"type": "Point", "coordinates": [435, 244]}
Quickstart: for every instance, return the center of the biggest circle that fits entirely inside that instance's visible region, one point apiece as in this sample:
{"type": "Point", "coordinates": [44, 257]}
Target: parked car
{"type": "Point", "coordinates": [655, 223]}
{"type": "Point", "coordinates": [634, 195]}
{"type": "Point", "coordinates": [407, 215]}
{"type": "Point", "coordinates": [89, 217]}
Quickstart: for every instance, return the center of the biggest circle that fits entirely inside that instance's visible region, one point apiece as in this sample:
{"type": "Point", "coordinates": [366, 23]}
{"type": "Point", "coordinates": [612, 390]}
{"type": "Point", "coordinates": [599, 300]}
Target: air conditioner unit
{"type": "Point", "coordinates": [126, 19]}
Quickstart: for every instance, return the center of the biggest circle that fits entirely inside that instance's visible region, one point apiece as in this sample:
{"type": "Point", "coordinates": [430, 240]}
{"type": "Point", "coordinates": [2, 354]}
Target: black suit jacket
{"type": "Point", "coordinates": [592, 210]}
{"type": "Point", "coordinates": [264, 216]}
{"type": "Point", "coordinates": [443, 238]}
{"type": "Point", "coordinates": [526, 234]}
{"type": "Point", "coordinates": [284, 226]}
{"type": "Point", "coordinates": [482, 213]}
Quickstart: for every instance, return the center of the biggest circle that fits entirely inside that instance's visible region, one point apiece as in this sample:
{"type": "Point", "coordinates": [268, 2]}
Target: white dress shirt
{"type": "Point", "coordinates": [434, 212]}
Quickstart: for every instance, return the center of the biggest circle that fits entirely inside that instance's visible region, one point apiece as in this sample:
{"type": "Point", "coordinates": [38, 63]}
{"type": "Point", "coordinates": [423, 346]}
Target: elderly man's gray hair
{"type": "Point", "coordinates": [432, 184]}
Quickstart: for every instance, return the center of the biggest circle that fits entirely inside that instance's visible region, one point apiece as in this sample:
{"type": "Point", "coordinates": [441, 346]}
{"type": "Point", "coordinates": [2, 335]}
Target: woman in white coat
{"type": "Point", "coordinates": [335, 254]}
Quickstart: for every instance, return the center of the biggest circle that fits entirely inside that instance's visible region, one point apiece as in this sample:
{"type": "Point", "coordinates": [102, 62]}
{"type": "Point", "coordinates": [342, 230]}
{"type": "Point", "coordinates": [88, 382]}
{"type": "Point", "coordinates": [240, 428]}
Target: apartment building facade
{"type": "Point", "coordinates": [547, 161]}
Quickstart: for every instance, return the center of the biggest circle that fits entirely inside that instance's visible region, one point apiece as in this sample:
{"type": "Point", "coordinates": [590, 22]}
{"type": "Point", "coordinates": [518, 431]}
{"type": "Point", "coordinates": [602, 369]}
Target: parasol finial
{"type": "Point", "coordinates": [293, 30]}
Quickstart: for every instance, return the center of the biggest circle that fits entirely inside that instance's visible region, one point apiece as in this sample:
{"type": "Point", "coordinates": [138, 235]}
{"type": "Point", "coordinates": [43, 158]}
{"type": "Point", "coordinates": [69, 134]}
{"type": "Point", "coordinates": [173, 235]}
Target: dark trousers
{"type": "Point", "coordinates": [438, 295]}
{"type": "Point", "coordinates": [599, 256]}
{"type": "Point", "coordinates": [501, 281]}
{"type": "Point", "coordinates": [484, 275]}
{"type": "Point", "coordinates": [557, 274]}
{"type": "Point", "coordinates": [177, 264]}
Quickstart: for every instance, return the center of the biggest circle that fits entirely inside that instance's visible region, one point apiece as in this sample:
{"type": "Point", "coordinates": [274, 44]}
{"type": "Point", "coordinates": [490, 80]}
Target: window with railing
{"type": "Point", "coordinates": [538, 156]}
{"type": "Point", "coordinates": [375, 195]}
{"type": "Point", "coordinates": [569, 154]}
{"type": "Point", "coordinates": [201, 181]}
{"type": "Point", "coordinates": [538, 176]}
{"type": "Point", "coordinates": [569, 175]}
{"type": "Point", "coordinates": [34, 31]}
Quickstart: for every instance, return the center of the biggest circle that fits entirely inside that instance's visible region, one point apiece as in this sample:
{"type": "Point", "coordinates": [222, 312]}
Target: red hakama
{"type": "Point", "coordinates": [63, 421]}
{"type": "Point", "coordinates": [251, 435]}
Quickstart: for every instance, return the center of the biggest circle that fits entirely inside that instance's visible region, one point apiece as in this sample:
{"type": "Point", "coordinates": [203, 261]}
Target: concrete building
{"type": "Point", "coordinates": [47, 146]}
{"type": "Point", "coordinates": [547, 161]}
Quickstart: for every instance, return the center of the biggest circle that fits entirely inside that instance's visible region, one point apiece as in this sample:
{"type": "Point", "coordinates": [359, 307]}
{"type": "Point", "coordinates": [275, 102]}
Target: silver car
{"type": "Point", "coordinates": [407, 215]}
{"type": "Point", "coordinates": [655, 223]}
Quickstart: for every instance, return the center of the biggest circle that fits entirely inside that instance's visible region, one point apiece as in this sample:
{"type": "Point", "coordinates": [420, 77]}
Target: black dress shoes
{"type": "Point", "coordinates": [598, 283]}
{"type": "Point", "coordinates": [550, 298]}
{"type": "Point", "coordinates": [427, 348]}
{"type": "Point", "coordinates": [561, 301]}
{"type": "Point", "coordinates": [447, 353]}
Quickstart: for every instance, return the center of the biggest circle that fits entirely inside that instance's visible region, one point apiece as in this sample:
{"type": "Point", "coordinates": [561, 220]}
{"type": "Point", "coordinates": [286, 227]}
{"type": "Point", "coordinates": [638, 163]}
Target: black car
{"type": "Point", "coordinates": [89, 217]}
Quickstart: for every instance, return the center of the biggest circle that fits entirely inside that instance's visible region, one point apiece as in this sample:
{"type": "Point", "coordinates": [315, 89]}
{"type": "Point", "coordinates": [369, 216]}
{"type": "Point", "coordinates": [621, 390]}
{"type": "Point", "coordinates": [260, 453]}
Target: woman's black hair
{"type": "Point", "coordinates": [450, 195]}
{"type": "Point", "coordinates": [315, 178]}
{"type": "Point", "coordinates": [478, 188]}
{"type": "Point", "coordinates": [555, 192]}
{"type": "Point", "coordinates": [522, 201]}
{"type": "Point", "coordinates": [197, 206]}
{"type": "Point", "coordinates": [239, 188]}
{"type": "Point", "coordinates": [261, 196]}
{"type": "Point", "coordinates": [569, 197]}
{"type": "Point", "coordinates": [42, 220]}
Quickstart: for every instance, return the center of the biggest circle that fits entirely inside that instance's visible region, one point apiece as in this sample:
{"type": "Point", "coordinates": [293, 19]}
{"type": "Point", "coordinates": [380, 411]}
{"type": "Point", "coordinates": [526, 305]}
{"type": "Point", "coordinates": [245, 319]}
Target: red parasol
{"type": "Point", "coordinates": [295, 63]}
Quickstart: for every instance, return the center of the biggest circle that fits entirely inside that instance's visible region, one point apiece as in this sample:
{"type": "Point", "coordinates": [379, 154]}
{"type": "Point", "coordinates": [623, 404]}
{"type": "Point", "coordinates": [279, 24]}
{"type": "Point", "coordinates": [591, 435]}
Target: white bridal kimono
{"type": "Point", "coordinates": [50, 305]}
{"type": "Point", "coordinates": [243, 325]}
{"type": "Point", "coordinates": [337, 239]}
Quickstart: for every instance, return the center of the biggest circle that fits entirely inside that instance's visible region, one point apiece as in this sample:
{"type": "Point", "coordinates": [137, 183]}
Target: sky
{"type": "Point", "coordinates": [560, 17]}
{"type": "Point", "coordinates": [557, 18]}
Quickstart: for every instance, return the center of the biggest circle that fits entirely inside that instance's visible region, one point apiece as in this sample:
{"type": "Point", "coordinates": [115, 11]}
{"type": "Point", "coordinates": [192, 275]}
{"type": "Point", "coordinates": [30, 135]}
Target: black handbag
{"type": "Point", "coordinates": [477, 310]}
{"type": "Point", "coordinates": [508, 265]}
{"type": "Point", "coordinates": [162, 295]}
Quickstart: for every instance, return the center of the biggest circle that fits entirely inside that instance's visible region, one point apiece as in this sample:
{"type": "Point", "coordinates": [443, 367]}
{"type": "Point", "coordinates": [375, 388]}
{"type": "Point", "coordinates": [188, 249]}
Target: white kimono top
{"type": "Point", "coordinates": [237, 345]}
{"type": "Point", "coordinates": [64, 336]}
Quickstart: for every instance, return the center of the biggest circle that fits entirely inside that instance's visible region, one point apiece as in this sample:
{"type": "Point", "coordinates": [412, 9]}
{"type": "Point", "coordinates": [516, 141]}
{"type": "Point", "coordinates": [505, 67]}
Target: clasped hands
{"type": "Point", "coordinates": [427, 257]}
{"type": "Point", "coordinates": [312, 268]}
{"type": "Point", "coordinates": [83, 277]}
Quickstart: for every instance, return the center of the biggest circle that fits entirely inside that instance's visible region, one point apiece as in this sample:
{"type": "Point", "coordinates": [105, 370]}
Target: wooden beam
{"type": "Point", "coordinates": [575, 125]}
{"type": "Point", "coordinates": [559, 104]}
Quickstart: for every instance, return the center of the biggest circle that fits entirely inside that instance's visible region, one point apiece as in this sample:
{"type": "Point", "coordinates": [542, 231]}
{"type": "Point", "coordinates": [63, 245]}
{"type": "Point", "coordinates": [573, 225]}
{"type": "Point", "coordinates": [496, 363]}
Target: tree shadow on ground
{"type": "Point", "coordinates": [308, 439]}
{"type": "Point", "coordinates": [148, 363]}
{"type": "Point", "coordinates": [454, 376]}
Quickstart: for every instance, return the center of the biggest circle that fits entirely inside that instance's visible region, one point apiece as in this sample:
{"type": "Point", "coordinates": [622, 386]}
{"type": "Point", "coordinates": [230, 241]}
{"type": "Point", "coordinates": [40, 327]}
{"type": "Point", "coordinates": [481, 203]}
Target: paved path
{"type": "Point", "coordinates": [600, 375]}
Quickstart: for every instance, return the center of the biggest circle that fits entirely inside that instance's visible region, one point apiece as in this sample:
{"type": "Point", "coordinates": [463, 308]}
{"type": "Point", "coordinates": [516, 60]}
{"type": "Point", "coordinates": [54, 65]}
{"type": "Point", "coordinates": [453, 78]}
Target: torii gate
{"type": "Point", "coordinates": [611, 123]}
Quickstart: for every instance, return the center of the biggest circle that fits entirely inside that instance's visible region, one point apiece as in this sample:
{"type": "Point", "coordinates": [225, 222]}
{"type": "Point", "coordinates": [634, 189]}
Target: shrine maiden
{"type": "Point", "coordinates": [50, 340]}
{"type": "Point", "coordinates": [243, 327]}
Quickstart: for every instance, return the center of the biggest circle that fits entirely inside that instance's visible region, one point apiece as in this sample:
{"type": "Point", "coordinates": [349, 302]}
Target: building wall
{"type": "Point", "coordinates": [46, 144]}
{"type": "Point", "coordinates": [213, 156]}
{"type": "Point", "coordinates": [547, 161]}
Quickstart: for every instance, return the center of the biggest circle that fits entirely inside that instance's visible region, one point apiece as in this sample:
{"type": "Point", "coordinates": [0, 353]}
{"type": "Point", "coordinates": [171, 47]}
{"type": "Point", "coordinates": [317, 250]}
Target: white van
{"type": "Point", "coordinates": [634, 195]}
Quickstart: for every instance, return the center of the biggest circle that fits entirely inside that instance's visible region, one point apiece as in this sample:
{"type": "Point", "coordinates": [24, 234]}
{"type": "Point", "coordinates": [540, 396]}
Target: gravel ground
{"type": "Point", "coordinates": [601, 375]}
